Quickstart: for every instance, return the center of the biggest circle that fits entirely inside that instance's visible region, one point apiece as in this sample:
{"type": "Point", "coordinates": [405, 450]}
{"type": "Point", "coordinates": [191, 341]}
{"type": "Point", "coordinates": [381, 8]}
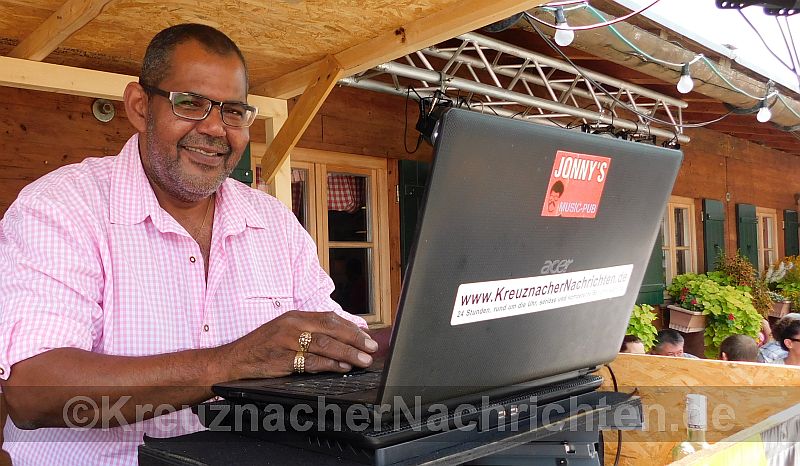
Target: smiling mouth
{"type": "Point", "coordinates": [203, 152]}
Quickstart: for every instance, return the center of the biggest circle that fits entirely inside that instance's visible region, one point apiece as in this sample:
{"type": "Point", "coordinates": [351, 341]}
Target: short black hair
{"type": "Point", "coordinates": [669, 336]}
{"type": "Point", "coordinates": [789, 331]}
{"type": "Point", "coordinates": [739, 348]}
{"type": "Point", "coordinates": [558, 187]}
{"type": "Point", "coordinates": [157, 58]}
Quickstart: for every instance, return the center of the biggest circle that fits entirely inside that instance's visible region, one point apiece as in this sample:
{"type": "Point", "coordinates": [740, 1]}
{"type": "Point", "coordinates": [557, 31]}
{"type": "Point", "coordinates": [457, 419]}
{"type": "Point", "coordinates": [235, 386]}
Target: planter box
{"type": "Point", "coordinates": [686, 321]}
{"type": "Point", "coordinates": [780, 309]}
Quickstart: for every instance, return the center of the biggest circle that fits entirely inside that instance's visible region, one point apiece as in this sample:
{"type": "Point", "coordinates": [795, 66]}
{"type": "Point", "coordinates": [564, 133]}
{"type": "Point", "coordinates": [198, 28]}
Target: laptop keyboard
{"type": "Point", "coordinates": [335, 385]}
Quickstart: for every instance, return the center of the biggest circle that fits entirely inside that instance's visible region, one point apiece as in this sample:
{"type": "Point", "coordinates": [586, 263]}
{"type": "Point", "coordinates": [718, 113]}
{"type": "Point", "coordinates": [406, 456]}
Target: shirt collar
{"type": "Point", "coordinates": [133, 200]}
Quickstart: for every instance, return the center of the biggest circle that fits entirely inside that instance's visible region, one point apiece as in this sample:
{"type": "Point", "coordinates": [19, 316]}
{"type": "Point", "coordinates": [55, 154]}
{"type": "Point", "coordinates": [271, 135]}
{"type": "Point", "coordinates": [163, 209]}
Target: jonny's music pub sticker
{"type": "Point", "coordinates": [576, 185]}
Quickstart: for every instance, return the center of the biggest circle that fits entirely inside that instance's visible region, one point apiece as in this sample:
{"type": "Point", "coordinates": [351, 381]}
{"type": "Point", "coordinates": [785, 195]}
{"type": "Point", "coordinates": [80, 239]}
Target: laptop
{"type": "Point", "coordinates": [530, 250]}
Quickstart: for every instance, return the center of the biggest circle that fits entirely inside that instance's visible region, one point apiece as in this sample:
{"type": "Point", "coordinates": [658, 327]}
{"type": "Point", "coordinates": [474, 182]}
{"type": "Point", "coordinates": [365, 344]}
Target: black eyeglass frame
{"type": "Point", "coordinates": [214, 103]}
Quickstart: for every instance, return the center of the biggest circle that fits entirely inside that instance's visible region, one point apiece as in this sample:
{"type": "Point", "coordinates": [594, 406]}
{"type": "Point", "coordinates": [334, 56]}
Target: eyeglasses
{"type": "Point", "coordinates": [197, 107]}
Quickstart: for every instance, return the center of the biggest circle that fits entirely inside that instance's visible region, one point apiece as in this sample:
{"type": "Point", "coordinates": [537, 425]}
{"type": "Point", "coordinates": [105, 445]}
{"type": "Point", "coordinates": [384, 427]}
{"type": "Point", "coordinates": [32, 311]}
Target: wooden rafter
{"type": "Point", "coordinates": [424, 32]}
{"type": "Point", "coordinates": [48, 77]}
{"type": "Point", "coordinates": [329, 71]}
{"type": "Point", "coordinates": [69, 18]}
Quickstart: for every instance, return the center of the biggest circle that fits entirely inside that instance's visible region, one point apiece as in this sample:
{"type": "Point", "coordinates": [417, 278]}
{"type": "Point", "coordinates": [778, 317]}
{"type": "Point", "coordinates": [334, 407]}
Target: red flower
{"type": "Point", "coordinates": [731, 317]}
{"type": "Point", "coordinates": [694, 302]}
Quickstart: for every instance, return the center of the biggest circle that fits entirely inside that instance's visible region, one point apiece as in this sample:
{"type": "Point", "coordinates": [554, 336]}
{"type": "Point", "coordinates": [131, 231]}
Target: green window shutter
{"type": "Point", "coordinates": [790, 239]}
{"type": "Point", "coordinates": [713, 231]}
{"type": "Point", "coordinates": [747, 232]}
{"type": "Point", "coordinates": [652, 290]}
{"type": "Point", "coordinates": [411, 190]}
{"type": "Point", "coordinates": [242, 172]}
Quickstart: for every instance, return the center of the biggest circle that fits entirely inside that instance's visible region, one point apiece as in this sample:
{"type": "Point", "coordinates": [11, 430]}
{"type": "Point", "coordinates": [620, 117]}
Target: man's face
{"type": "Point", "coordinates": [185, 159]}
{"type": "Point", "coordinates": [669, 349]}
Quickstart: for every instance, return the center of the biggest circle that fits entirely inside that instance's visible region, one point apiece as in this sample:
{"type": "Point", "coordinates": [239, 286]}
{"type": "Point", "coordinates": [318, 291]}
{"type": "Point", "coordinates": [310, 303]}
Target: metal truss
{"type": "Point", "coordinates": [488, 75]}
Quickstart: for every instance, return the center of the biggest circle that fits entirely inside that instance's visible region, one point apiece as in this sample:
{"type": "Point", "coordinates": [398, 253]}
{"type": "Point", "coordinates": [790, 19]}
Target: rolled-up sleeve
{"type": "Point", "coordinates": [51, 283]}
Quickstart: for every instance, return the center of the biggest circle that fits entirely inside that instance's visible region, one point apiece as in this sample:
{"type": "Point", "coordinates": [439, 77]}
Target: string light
{"type": "Point", "coordinates": [685, 84]}
{"type": "Point", "coordinates": [563, 36]}
{"type": "Point", "coordinates": [764, 113]}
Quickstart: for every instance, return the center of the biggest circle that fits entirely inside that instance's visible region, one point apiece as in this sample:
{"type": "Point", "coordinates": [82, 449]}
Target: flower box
{"type": "Point", "coordinates": [780, 308]}
{"type": "Point", "coordinates": [686, 321]}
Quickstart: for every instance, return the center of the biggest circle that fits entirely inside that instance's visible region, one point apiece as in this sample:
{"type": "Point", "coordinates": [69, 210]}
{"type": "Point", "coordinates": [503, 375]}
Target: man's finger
{"type": "Point", "coordinates": [324, 345]}
{"type": "Point", "coordinates": [331, 324]}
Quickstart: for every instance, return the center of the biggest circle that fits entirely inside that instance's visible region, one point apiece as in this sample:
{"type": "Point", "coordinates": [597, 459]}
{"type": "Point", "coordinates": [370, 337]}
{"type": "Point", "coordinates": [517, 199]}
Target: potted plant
{"type": "Point", "coordinates": [641, 325]}
{"type": "Point", "coordinates": [780, 305]}
{"type": "Point", "coordinates": [728, 310]}
{"type": "Point", "coordinates": [686, 312]}
{"type": "Point", "coordinates": [783, 278]}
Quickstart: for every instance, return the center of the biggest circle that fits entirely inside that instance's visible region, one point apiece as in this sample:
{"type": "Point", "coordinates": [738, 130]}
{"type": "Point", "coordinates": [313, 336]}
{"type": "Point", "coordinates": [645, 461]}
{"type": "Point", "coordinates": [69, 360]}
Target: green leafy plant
{"type": "Point", "coordinates": [641, 325]}
{"type": "Point", "coordinates": [729, 309]}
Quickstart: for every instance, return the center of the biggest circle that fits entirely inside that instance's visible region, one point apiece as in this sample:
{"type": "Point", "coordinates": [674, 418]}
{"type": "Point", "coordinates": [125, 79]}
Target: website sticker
{"type": "Point", "coordinates": [476, 302]}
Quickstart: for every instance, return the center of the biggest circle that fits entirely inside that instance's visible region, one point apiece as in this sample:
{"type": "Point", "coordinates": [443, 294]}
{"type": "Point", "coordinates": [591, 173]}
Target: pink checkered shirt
{"type": "Point", "coordinates": [91, 261]}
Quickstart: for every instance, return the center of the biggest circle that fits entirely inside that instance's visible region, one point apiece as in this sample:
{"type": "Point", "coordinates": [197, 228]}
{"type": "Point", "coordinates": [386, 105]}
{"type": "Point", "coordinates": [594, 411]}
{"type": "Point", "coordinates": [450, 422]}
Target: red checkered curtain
{"type": "Point", "coordinates": [345, 192]}
{"type": "Point", "coordinates": [298, 186]}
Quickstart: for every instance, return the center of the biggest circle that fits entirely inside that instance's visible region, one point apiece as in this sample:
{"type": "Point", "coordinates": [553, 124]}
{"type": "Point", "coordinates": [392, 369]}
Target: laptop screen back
{"type": "Point", "coordinates": [530, 251]}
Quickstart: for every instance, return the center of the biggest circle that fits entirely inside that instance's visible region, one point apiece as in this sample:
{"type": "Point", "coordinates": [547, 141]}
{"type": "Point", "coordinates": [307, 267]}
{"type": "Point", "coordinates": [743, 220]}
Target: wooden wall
{"type": "Point", "coordinates": [716, 164]}
{"type": "Point", "coordinates": [41, 131]}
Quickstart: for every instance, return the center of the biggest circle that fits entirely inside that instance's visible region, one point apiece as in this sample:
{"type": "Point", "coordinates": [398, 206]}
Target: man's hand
{"type": "Point", "coordinates": [269, 351]}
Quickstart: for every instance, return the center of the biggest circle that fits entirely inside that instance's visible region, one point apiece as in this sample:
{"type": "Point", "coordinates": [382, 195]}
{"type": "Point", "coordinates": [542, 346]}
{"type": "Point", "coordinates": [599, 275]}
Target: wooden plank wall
{"type": "Point", "coordinates": [716, 164]}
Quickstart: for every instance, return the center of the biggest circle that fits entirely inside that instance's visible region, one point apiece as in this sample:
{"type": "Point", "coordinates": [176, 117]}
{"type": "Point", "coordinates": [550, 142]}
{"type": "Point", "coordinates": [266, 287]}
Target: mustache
{"type": "Point", "coordinates": [218, 144]}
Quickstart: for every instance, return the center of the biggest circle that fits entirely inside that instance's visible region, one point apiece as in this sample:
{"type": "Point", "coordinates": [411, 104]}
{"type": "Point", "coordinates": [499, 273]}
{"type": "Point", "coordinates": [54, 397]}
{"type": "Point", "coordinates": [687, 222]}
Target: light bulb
{"type": "Point", "coordinates": [563, 37]}
{"type": "Point", "coordinates": [764, 114]}
{"type": "Point", "coordinates": [685, 84]}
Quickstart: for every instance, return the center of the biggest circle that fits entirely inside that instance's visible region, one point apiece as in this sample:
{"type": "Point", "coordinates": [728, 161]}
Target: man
{"type": "Point", "coordinates": [738, 348]}
{"type": "Point", "coordinates": [670, 343]}
{"type": "Point", "coordinates": [133, 283]}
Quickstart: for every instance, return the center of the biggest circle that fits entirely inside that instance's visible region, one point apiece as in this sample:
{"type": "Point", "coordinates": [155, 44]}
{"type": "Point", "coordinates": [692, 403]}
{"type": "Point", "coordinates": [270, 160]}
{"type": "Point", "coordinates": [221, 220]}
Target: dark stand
{"type": "Point", "coordinates": [561, 433]}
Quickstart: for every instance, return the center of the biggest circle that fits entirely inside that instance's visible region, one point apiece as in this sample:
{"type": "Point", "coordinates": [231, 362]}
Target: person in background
{"type": "Point", "coordinates": [789, 338]}
{"type": "Point", "coordinates": [632, 344]}
{"type": "Point", "coordinates": [669, 342]}
{"type": "Point", "coordinates": [738, 348]}
{"type": "Point", "coordinates": [773, 352]}
{"type": "Point", "coordinates": [765, 335]}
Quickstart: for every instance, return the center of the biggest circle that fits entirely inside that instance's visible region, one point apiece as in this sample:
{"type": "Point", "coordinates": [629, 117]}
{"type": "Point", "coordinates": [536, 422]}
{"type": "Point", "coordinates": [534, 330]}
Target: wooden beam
{"type": "Point", "coordinates": [424, 32]}
{"type": "Point", "coordinates": [38, 76]}
{"type": "Point", "coordinates": [68, 19]}
{"type": "Point", "coordinates": [328, 73]}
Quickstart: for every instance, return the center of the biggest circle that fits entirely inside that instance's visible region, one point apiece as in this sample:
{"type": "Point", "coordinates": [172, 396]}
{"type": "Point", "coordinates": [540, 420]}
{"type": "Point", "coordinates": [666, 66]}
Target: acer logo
{"type": "Point", "coordinates": [556, 266]}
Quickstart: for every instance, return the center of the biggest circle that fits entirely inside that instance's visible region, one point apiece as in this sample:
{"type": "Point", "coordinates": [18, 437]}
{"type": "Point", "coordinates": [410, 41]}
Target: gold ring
{"type": "Point", "coordinates": [300, 362]}
{"type": "Point", "coordinates": [305, 341]}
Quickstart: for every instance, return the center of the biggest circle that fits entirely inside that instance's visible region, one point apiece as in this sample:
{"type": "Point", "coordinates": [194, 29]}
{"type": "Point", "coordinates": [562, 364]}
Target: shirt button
{"type": "Point", "coordinates": [2, 371]}
{"type": "Point", "coordinates": [205, 327]}
{"type": "Point", "coordinates": [277, 304]}
{"type": "Point", "coordinates": [192, 259]}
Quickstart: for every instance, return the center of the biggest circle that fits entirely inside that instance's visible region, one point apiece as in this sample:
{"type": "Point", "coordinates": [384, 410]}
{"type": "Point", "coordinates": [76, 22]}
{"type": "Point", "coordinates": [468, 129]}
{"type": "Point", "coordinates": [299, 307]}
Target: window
{"type": "Point", "coordinates": [678, 238]}
{"type": "Point", "coordinates": [767, 237]}
{"type": "Point", "coordinates": [342, 201]}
